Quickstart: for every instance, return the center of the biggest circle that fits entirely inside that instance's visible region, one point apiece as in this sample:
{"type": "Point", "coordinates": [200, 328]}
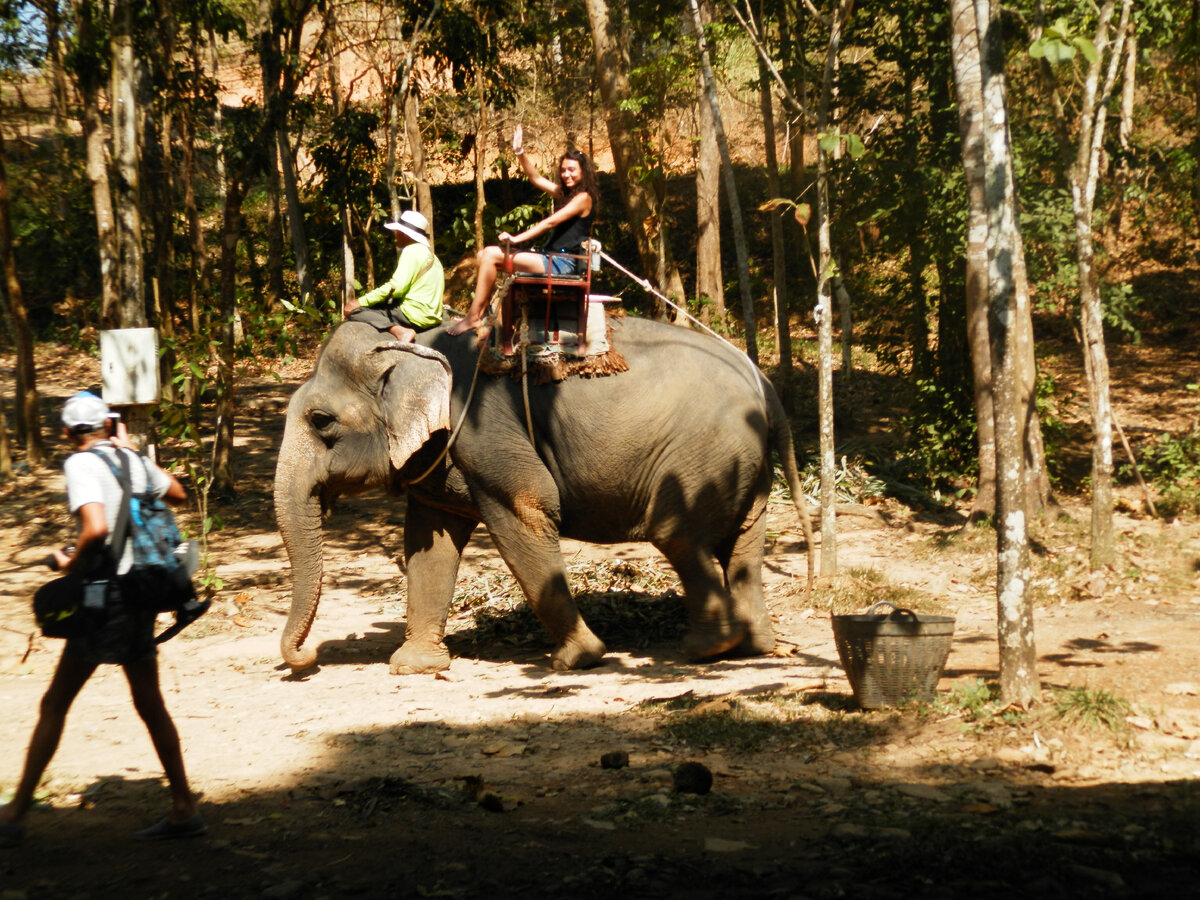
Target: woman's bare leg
{"type": "Point", "coordinates": [148, 700]}
{"type": "Point", "coordinates": [489, 260]}
{"type": "Point", "coordinates": [69, 678]}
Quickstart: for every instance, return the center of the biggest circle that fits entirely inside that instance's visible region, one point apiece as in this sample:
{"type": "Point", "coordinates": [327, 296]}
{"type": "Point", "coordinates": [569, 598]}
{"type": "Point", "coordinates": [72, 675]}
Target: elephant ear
{"type": "Point", "coordinates": [414, 397]}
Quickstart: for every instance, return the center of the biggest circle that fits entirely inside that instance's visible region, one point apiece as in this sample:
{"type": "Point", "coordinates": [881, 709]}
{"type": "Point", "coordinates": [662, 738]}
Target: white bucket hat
{"type": "Point", "coordinates": [413, 224]}
{"type": "Point", "coordinates": [84, 412]}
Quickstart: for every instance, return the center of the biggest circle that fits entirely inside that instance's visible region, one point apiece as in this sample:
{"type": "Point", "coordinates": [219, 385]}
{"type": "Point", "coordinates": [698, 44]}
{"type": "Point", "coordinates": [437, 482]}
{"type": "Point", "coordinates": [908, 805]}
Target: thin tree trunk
{"type": "Point", "coordinates": [295, 213]}
{"type": "Point", "coordinates": [829, 565]}
{"type": "Point", "coordinates": [710, 281]}
{"type": "Point", "coordinates": [396, 119]}
{"type": "Point", "coordinates": [612, 68]}
{"type": "Point", "coordinates": [1084, 176]}
{"type": "Point", "coordinates": [416, 148]}
{"type": "Point", "coordinates": [964, 55]}
{"type": "Point", "coordinates": [731, 192]}
{"type": "Point", "coordinates": [783, 331]}
{"type": "Point", "coordinates": [222, 455]}
{"type": "Point", "coordinates": [1018, 656]}
{"type": "Point", "coordinates": [59, 101]}
{"type": "Point", "coordinates": [131, 306]}
{"type": "Point", "coordinates": [96, 146]}
{"type": "Point", "coordinates": [28, 416]}
{"type": "Point", "coordinates": [480, 164]}
{"type": "Point", "coordinates": [347, 257]}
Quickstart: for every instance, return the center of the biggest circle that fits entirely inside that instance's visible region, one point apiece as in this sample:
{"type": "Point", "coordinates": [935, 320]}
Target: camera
{"type": "Point", "coordinates": [52, 560]}
{"type": "Point", "coordinates": [113, 420]}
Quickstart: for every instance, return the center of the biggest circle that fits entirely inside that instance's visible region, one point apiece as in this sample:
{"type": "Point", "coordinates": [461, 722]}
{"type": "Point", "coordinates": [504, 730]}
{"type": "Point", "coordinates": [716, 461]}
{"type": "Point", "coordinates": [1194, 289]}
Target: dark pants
{"type": "Point", "coordinates": [383, 318]}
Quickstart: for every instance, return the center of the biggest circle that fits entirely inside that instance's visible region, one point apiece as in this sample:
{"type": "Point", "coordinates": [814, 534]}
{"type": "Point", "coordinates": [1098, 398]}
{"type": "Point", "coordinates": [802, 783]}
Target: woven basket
{"type": "Point", "coordinates": [892, 657]}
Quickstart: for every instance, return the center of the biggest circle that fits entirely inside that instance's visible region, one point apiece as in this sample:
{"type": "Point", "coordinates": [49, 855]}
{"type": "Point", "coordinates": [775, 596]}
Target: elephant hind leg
{"type": "Point", "coordinates": [742, 560]}
{"type": "Point", "coordinates": [712, 630]}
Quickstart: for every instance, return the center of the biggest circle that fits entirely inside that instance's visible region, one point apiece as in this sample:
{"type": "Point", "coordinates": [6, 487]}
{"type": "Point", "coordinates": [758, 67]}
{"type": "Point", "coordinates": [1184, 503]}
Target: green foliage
{"type": "Point", "coordinates": [977, 703]}
{"type": "Point", "coordinates": [1095, 708]}
{"type": "Point", "coordinates": [941, 445]}
{"type": "Point", "coordinates": [1171, 463]}
{"type": "Point", "coordinates": [1059, 44]}
{"type": "Point", "coordinates": [831, 141]}
{"type": "Point", "coordinates": [179, 422]}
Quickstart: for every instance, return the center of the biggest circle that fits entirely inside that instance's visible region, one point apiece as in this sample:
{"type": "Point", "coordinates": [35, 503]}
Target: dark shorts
{"type": "Point", "coordinates": [125, 634]}
{"type": "Point", "coordinates": [383, 318]}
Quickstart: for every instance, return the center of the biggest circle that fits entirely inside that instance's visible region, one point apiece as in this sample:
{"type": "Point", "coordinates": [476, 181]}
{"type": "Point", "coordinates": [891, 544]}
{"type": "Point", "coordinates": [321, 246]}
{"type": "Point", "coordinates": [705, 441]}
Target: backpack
{"type": "Point", "coordinates": [160, 575]}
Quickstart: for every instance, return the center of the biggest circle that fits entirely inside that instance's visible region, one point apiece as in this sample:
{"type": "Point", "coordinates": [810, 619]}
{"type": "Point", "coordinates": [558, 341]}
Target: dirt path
{"type": "Point", "coordinates": [346, 781]}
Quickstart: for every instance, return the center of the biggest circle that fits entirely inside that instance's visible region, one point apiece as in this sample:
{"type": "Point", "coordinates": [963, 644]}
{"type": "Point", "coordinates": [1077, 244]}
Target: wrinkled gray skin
{"type": "Point", "coordinates": [675, 451]}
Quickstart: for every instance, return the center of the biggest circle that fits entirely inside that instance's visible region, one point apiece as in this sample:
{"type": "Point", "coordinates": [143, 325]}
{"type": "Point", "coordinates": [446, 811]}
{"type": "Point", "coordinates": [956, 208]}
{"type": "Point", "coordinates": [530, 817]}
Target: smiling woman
{"type": "Point", "coordinates": [577, 199]}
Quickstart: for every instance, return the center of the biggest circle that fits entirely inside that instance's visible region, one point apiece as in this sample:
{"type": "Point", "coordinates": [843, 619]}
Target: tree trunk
{"type": "Point", "coordinates": [416, 147]}
{"type": "Point", "coordinates": [59, 100]}
{"type": "Point", "coordinates": [829, 565]}
{"type": "Point", "coordinates": [1083, 178]}
{"type": "Point", "coordinates": [198, 266]}
{"type": "Point", "coordinates": [222, 456]}
{"type": "Point", "coordinates": [87, 71]}
{"type": "Point", "coordinates": [710, 281]}
{"type": "Point", "coordinates": [1018, 656]}
{"type": "Point", "coordinates": [27, 415]}
{"type": "Point", "coordinates": [783, 331]}
{"type": "Point", "coordinates": [295, 212]}
{"type": "Point", "coordinates": [731, 192]}
{"type": "Point", "coordinates": [612, 68]}
{"type": "Point", "coordinates": [270, 73]}
{"type": "Point", "coordinates": [131, 303]}
{"type": "Point", "coordinates": [1196, 93]}
{"type": "Point", "coordinates": [964, 54]}
{"type": "Point", "coordinates": [347, 258]}
{"type": "Point", "coordinates": [480, 162]}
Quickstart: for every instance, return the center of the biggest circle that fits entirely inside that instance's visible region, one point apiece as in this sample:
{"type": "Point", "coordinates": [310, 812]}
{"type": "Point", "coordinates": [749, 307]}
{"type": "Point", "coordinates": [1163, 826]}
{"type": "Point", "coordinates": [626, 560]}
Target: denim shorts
{"type": "Point", "coordinates": [562, 265]}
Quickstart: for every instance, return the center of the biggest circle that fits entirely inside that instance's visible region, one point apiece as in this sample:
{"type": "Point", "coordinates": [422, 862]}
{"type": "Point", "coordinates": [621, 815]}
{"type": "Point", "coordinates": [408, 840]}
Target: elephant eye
{"type": "Point", "coordinates": [321, 420]}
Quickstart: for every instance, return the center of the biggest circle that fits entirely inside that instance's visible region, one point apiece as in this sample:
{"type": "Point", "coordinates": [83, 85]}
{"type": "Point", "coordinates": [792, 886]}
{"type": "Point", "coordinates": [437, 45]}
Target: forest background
{"type": "Point", "coordinates": [221, 171]}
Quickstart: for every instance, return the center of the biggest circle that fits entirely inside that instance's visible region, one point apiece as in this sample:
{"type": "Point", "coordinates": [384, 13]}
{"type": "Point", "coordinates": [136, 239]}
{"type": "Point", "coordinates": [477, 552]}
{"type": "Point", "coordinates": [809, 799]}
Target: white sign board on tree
{"type": "Point", "coordinates": [129, 366]}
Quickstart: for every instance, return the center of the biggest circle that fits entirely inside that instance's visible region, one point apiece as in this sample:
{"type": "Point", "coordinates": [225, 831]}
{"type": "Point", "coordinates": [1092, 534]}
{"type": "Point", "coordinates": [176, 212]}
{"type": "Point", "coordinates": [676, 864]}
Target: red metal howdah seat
{"type": "Point", "coordinates": [542, 294]}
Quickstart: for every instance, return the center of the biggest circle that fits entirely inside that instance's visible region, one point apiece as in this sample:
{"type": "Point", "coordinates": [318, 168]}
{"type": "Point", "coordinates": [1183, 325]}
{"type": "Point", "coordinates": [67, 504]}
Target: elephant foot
{"type": "Point", "coordinates": [578, 654]}
{"type": "Point", "coordinates": [705, 643]}
{"type": "Point", "coordinates": [413, 659]}
{"type": "Point", "coordinates": [757, 642]}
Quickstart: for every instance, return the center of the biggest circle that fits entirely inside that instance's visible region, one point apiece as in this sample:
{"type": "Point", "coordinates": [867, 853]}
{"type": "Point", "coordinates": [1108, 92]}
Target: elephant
{"type": "Point", "coordinates": [676, 452]}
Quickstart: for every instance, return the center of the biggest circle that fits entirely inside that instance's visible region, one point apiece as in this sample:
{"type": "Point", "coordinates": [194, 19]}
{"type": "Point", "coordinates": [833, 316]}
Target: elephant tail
{"type": "Point", "coordinates": [781, 442]}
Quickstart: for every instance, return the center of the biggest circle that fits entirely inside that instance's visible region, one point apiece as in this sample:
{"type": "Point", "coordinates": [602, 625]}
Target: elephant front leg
{"type": "Point", "coordinates": [433, 546]}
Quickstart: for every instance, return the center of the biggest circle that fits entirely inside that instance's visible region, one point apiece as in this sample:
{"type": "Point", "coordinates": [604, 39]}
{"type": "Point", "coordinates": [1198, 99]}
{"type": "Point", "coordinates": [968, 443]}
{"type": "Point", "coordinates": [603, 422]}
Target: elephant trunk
{"type": "Point", "coordinates": [298, 514]}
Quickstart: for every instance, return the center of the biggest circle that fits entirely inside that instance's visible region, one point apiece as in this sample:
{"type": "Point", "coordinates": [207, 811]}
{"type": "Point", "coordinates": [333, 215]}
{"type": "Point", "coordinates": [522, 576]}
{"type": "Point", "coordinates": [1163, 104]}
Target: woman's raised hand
{"type": "Point", "coordinates": [519, 140]}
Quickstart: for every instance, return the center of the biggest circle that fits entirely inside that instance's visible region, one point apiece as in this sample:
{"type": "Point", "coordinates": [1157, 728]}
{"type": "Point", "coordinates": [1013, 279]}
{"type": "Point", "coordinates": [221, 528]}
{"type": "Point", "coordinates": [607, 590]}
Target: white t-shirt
{"type": "Point", "coordinates": [90, 480]}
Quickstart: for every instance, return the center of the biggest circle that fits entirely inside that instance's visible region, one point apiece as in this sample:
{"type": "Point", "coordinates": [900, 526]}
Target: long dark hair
{"type": "Point", "coordinates": [587, 182]}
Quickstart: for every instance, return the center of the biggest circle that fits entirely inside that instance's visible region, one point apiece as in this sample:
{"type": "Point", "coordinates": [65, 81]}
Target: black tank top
{"type": "Point", "coordinates": [568, 236]}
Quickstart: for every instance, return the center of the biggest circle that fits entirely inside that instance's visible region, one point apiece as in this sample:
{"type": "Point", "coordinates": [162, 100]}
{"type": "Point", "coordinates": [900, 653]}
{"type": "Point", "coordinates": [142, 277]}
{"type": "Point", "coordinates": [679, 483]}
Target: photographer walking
{"type": "Point", "coordinates": [125, 637]}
